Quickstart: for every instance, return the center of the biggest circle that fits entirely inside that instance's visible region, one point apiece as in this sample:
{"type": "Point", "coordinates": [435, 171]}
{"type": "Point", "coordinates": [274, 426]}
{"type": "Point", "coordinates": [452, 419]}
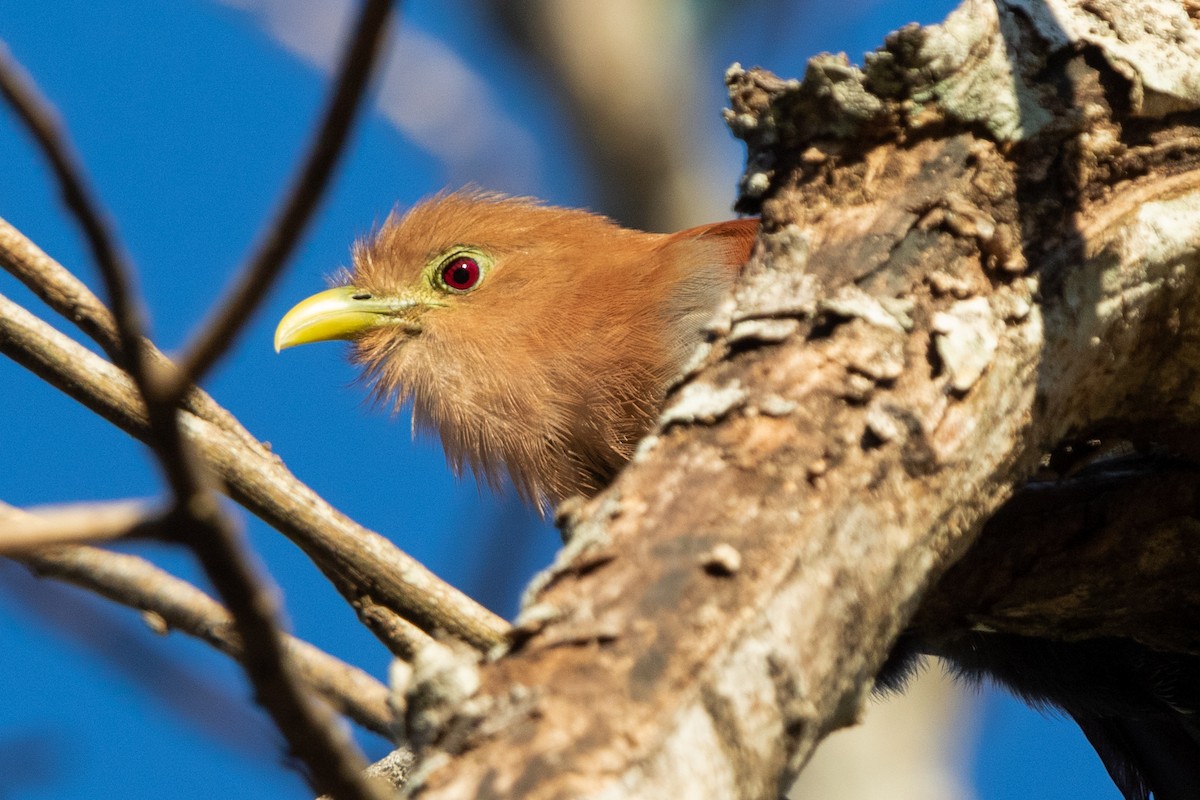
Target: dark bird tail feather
{"type": "Point", "coordinates": [1145, 755]}
{"type": "Point", "coordinates": [1139, 708]}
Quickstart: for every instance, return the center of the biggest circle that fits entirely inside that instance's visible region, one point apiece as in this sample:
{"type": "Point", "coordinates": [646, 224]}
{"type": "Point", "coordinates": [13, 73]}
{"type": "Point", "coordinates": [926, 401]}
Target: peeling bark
{"type": "Point", "coordinates": [977, 248]}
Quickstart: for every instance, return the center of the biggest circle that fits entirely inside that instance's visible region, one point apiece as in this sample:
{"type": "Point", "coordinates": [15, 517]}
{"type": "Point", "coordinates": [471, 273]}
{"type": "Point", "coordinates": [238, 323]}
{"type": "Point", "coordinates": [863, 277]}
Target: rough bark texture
{"type": "Point", "coordinates": [976, 249]}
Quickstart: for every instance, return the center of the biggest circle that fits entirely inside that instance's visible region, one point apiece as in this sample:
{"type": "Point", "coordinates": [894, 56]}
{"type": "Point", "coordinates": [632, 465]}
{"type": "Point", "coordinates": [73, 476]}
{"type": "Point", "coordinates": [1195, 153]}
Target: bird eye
{"type": "Point", "coordinates": [461, 274]}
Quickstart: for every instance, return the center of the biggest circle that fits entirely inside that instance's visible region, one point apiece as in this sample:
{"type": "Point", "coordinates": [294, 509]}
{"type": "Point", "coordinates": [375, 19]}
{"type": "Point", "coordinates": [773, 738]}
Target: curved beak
{"type": "Point", "coordinates": [341, 313]}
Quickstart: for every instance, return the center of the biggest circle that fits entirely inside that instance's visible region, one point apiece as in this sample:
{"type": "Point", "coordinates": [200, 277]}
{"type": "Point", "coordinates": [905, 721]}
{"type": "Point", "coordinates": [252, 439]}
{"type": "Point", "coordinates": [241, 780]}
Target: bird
{"type": "Point", "coordinates": [539, 342]}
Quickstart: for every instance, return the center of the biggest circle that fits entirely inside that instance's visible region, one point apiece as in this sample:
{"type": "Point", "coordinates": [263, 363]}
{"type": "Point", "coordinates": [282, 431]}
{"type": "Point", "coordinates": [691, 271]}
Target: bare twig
{"type": "Point", "coordinates": [38, 116]}
{"type": "Point", "coordinates": [309, 728]}
{"type": "Point", "coordinates": [401, 637]}
{"type": "Point", "coordinates": [67, 295]}
{"type": "Point", "coordinates": [58, 288]}
{"type": "Point", "coordinates": [75, 523]}
{"type": "Point", "coordinates": [284, 233]}
{"type": "Point", "coordinates": [334, 762]}
{"type": "Point", "coordinates": [360, 562]}
{"type": "Point", "coordinates": [174, 603]}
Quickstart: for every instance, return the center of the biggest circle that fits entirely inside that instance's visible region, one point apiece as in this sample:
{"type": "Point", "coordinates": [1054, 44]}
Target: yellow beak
{"type": "Point", "coordinates": [341, 313]}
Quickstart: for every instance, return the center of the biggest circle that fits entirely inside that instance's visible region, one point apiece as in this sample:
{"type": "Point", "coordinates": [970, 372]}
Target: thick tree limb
{"type": "Point", "coordinates": [985, 243]}
{"type": "Point", "coordinates": [653, 171]}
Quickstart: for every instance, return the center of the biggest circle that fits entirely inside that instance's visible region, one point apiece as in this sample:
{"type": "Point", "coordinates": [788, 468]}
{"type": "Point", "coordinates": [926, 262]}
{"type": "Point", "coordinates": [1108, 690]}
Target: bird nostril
{"type": "Point", "coordinates": [361, 296]}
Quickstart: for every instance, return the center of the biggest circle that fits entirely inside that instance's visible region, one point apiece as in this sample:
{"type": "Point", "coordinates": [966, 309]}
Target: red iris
{"type": "Point", "coordinates": [461, 274]}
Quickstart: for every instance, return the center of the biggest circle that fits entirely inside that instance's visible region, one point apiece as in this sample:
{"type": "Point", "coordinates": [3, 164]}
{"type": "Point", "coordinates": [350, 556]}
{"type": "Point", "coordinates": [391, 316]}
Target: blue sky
{"type": "Point", "coordinates": [189, 118]}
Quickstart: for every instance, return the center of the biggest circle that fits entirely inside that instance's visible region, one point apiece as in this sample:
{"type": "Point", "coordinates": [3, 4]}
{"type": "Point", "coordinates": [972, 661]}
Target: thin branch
{"type": "Point", "coordinates": [58, 288]}
{"type": "Point", "coordinates": [176, 604]}
{"type": "Point", "coordinates": [335, 764]}
{"type": "Point", "coordinates": [401, 637]}
{"type": "Point", "coordinates": [310, 730]}
{"type": "Point", "coordinates": [359, 562]}
{"type": "Point", "coordinates": [40, 119]}
{"type": "Point", "coordinates": [284, 233]}
{"type": "Point", "coordinates": [74, 523]}
{"type": "Point", "coordinates": [67, 295]}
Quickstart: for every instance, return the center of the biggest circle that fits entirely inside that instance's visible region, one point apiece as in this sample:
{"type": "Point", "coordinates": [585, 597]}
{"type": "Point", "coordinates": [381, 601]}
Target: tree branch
{"type": "Point", "coordinates": [284, 232]}
{"type": "Point", "coordinates": [67, 295]}
{"type": "Point", "coordinates": [309, 728]}
{"type": "Point", "coordinates": [38, 116]}
{"type": "Point", "coordinates": [359, 562]}
{"type": "Point", "coordinates": [313, 735]}
{"type": "Point", "coordinates": [176, 604]}
{"type": "Point", "coordinates": [74, 523]}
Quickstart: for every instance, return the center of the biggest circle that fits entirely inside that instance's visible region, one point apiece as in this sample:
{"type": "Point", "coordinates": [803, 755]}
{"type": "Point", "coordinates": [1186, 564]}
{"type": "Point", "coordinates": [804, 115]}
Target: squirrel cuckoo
{"type": "Point", "coordinates": [539, 341]}
{"type": "Point", "coordinates": [535, 340]}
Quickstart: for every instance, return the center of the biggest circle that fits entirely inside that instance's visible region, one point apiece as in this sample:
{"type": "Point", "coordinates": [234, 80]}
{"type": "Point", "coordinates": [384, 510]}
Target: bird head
{"type": "Point", "coordinates": [536, 341]}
